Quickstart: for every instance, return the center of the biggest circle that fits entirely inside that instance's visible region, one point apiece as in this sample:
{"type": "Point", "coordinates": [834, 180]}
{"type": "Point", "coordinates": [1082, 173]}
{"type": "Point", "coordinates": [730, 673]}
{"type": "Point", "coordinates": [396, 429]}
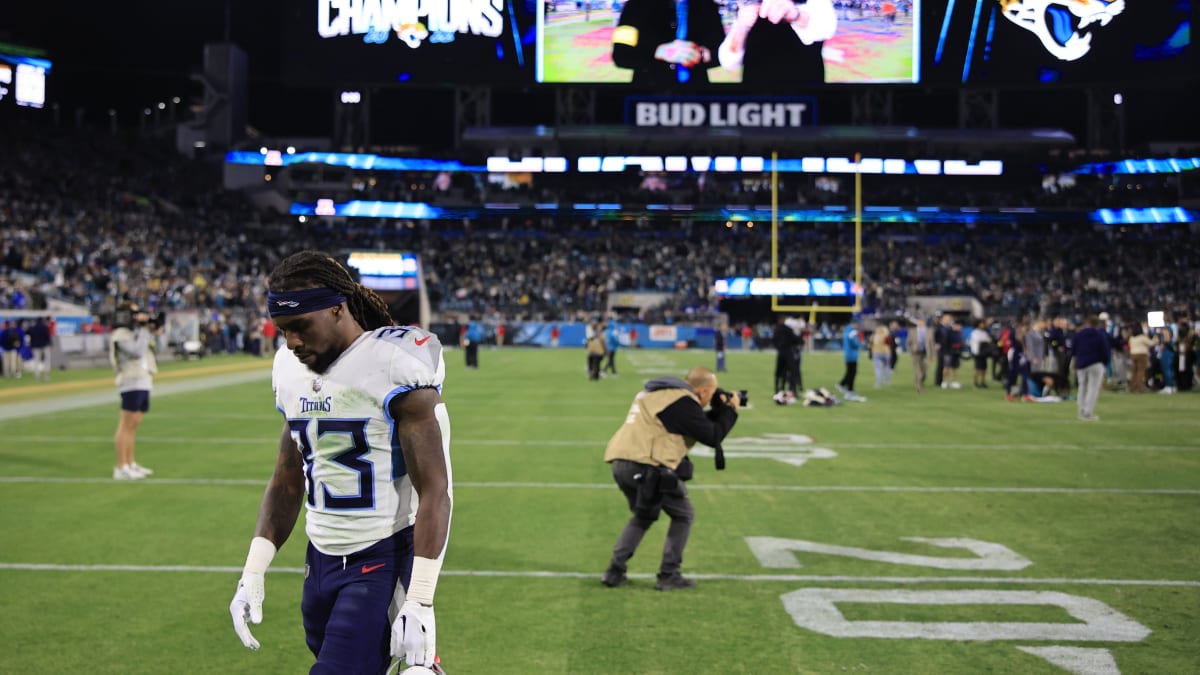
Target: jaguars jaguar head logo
{"type": "Point", "coordinates": [412, 34]}
{"type": "Point", "coordinates": [1065, 27]}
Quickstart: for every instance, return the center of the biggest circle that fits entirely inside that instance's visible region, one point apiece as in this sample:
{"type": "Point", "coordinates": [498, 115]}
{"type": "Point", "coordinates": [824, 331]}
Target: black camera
{"type": "Point", "coordinates": [128, 315]}
{"type": "Point", "coordinates": [727, 396]}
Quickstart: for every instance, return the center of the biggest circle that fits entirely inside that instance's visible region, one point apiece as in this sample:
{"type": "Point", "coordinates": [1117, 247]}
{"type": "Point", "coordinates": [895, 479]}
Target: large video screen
{"type": "Point", "coordinates": [1057, 41]}
{"type": "Point", "coordinates": [433, 42]}
{"type": "Point", "coordinates": [386, 270]}
{"type": "Point", "coordinates": [748, 46]}
{"type": "Point", "coordinates": [22, 77]}
{"type": "Point", "coordinates": [752, 43]}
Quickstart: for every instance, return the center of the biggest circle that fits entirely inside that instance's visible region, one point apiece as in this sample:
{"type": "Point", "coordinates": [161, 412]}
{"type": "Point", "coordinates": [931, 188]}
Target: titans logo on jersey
{"type": "Point", "coordinates": [358, 491]}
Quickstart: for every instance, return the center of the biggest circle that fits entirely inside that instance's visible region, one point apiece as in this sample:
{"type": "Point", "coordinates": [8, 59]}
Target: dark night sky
{"type": "Point", "coordinates": [132, 54]}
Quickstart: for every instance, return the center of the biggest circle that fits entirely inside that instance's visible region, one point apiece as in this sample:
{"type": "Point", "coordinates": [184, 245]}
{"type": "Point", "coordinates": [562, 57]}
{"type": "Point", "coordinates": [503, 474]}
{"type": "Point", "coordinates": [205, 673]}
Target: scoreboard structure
{"type": "Point", "coordinates": [397, 277]}
{"type": "Point", "coordinates": [530, 43]}
{"type": "Point", "coordinates": [23, 75]}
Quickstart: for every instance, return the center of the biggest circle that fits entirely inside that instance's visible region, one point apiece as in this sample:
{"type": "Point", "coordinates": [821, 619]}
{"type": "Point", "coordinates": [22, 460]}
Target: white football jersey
{"type": "Point", "coordinates": [358, 490]}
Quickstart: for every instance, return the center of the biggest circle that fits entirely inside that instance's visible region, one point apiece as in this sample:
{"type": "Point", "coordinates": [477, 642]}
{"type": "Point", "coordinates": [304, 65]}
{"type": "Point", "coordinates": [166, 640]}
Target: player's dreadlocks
{"type": "Point", "coordinates": [314, 269]}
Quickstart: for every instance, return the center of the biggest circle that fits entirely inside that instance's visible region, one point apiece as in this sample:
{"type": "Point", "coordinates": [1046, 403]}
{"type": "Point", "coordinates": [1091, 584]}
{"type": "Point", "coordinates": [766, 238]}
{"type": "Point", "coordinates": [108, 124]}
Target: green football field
{"type": "Point", "coordinates": [950, 532]}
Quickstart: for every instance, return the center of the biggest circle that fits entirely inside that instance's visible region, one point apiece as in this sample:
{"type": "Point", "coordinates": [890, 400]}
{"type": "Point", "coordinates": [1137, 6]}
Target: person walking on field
{"type": "Point", "coordinates": [1139, 357]}
{"type": "Point", "coordinates": [981, 346]}
{"type": "Point", "coordinates": [851, 346]}
{"type": "Point", "coordinates": [612, 341]}
{"type": "Point", "coordinates": [365, 449]}
{"type": "Point", "coordinates": [881, 355]}
{"type": "Point", "coordinates": [1092, 354]}
{"type": "Point", "coordinates": [918, 347]}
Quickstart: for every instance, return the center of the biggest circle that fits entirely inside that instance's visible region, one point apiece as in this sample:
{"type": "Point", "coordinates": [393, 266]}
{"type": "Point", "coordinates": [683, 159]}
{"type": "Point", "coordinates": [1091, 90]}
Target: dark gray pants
{"type": "Point", "coordinates": [677, 507]}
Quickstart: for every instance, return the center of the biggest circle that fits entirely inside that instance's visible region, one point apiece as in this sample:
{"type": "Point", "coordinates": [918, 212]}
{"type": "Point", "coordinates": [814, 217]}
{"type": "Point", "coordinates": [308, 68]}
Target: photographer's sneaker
{"type": "Point", "coordinates": [613, 578]}
{"type": "Point", "coordinates": [673, 582]}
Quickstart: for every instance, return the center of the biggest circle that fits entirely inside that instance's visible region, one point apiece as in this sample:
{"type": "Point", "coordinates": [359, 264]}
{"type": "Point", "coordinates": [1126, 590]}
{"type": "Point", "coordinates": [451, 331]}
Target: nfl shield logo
{"type": "Point", "coordinates": [316, 385]}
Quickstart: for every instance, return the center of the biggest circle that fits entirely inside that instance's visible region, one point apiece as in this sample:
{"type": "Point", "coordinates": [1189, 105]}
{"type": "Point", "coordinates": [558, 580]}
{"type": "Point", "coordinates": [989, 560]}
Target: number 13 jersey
{"type": "Point", "coordinates": [358, 490]}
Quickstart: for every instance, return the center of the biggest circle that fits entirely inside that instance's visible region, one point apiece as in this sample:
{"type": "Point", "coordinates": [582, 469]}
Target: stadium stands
{"type": "Point", "coordinates": [87, 217]}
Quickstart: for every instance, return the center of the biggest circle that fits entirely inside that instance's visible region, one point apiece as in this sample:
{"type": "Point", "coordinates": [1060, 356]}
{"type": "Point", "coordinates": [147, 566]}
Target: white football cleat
{"type": "Point", "coordinates": [124, 473]}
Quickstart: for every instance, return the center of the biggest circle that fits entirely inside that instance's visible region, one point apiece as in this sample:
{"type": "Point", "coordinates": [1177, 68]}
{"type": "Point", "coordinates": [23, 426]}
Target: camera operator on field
{"type": "Point", "coordinates": [131, 352]}
{"type": "Point", "coordinates": [650, 464]}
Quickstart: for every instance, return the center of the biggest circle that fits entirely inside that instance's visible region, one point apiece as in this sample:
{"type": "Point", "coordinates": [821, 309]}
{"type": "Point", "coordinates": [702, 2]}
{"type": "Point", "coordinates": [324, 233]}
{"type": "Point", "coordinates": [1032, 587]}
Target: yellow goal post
{"type": "Point", "coordinates": [813, 308]}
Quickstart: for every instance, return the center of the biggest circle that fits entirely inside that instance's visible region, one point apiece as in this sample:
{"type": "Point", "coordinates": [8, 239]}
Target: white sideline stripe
{"type": "Point", "coordinates": [609, 486]}
{"type": "Point", "coordinates": [273, 437]}
{"type": "Point", "coordinates": [1011, 446]}
{"type": "Point", "coordinates": [23, 409]}
{"type": "Point", "coordinates": [546, 574]}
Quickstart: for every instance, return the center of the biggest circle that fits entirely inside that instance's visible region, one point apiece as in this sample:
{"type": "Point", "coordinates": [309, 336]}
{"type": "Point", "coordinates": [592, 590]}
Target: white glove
{"type": "Point", "coordinates": [414, 635]}
{"type": "Point", "coordinates": [247, 604]}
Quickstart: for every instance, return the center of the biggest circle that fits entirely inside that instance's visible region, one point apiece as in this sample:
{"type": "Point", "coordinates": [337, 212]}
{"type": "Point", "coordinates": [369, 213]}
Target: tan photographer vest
{"type": "Point", "coordinates": [643, 438]}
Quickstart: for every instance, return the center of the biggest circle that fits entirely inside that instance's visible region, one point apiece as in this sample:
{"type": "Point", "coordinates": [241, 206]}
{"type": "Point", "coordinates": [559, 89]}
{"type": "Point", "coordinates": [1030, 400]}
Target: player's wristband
{"type": "Point", "coordinates": [262, 551]}
{"type": "Point", "coordinates": [425, 573]}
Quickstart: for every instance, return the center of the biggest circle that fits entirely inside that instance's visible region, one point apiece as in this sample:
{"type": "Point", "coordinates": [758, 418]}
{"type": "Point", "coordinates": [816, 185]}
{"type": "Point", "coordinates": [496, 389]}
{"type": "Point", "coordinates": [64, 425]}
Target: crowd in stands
{"type": "Point", "coordinates": [88, 218]}
{"type": "Point", "coordinates": [85, 217]}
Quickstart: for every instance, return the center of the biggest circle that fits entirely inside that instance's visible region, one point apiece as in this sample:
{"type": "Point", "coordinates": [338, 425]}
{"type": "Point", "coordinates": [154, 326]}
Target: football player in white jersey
{"type": "Point", "coordinates": [366, 447]}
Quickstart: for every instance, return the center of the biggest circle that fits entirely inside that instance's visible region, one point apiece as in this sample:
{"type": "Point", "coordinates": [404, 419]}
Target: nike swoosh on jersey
{"type": "Point", "coordinates": [421, 341]}
{"type": "Point", "coordinates": [368, 569]}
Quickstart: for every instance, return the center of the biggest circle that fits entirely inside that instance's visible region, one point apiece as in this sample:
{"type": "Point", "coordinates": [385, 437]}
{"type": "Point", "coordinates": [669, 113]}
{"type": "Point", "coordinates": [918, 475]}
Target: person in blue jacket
{"type": "Point", "coordinates": [471, 340]}
{"type": "Point", "coordinates": [612, 340]}
{"type": "Point", "coordinates": [851, 345]}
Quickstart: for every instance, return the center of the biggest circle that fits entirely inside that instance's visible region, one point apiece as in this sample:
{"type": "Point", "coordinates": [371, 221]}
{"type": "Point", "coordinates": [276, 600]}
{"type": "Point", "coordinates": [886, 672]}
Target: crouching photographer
{"type": "Point", "coordinates": [650, 464]}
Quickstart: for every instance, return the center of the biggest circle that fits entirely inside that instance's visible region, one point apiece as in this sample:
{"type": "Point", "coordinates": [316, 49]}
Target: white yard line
{"type": "Point", "coordinates": [608, 486]}
{"type": "Point", "coordinates": [546, 574]}
{"type": "Point", "coordinates": [575, 445]}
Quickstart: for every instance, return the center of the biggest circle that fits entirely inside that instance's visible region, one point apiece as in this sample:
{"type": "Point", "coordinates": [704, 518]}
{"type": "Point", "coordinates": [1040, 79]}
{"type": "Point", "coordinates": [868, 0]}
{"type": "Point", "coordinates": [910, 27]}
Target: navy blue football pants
{"type": "Point", "coordinates": [345, 605]}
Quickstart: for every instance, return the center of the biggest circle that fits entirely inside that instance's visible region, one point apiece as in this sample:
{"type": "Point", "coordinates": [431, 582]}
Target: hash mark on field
{"type": "Point", "coordinates": [609, 486]}
{"type": "Point", "coordinates": [548, 574]}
